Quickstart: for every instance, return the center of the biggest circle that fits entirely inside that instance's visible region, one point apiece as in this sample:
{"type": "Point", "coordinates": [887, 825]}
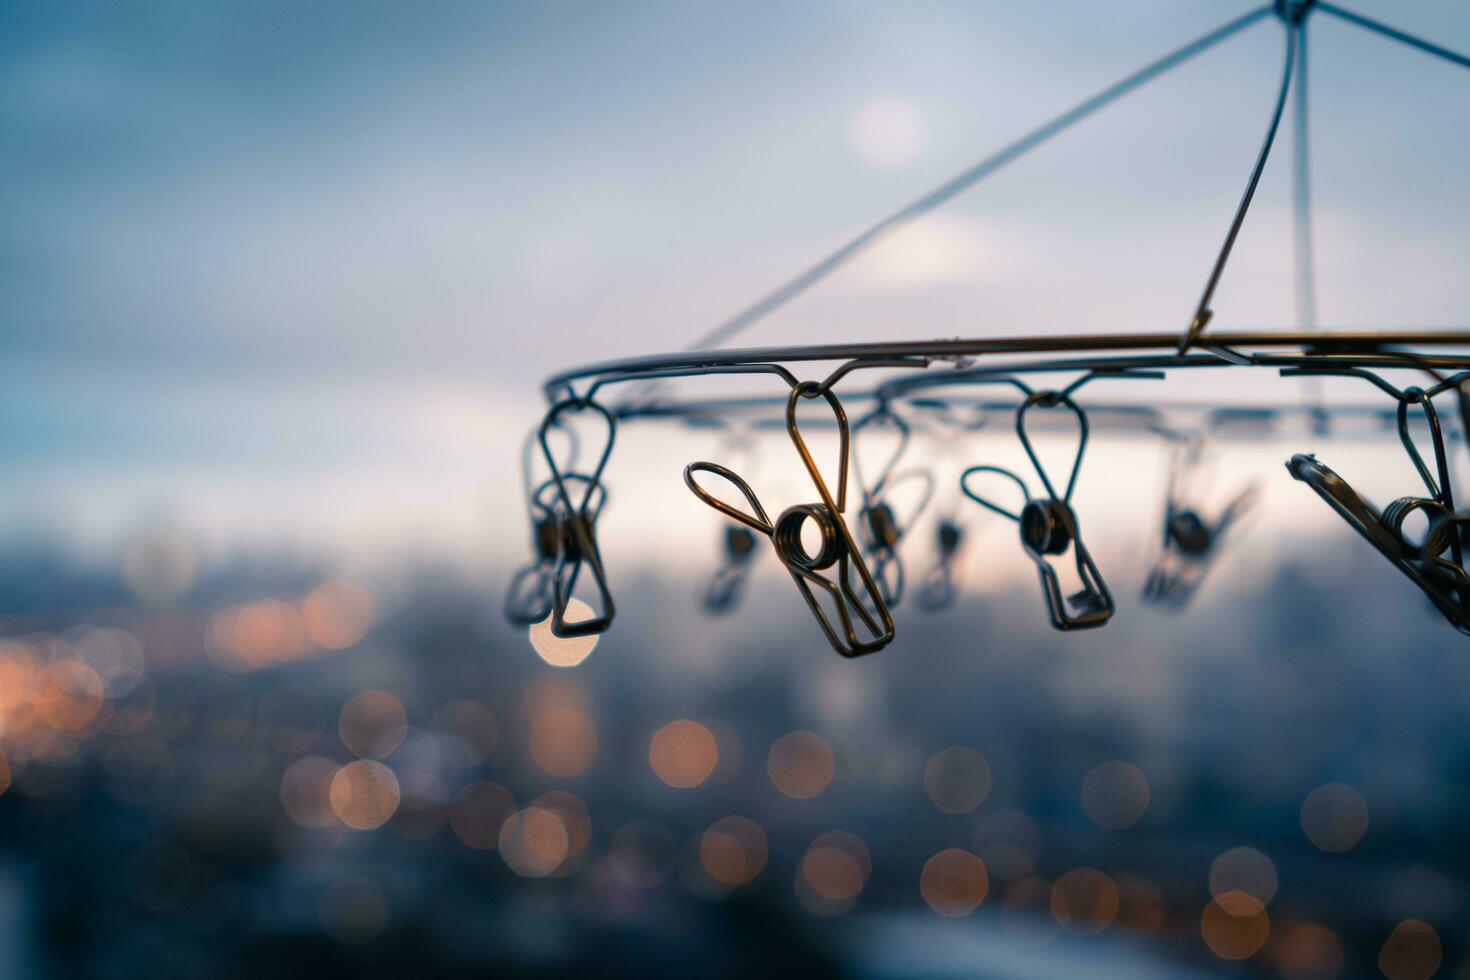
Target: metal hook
{"type": "Point", "coordinates": [836, 549]}
{"type": "Point", "coordinates": [576, 526]}
{"type": "Point", "coordinates": [1190, 542]}
{"type": "Point", "coordinates": [1048, 526]}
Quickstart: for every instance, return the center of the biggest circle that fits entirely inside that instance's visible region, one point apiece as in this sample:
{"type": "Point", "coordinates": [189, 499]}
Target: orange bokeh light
{"type": "Point", "coordinates": [563, 742]}
{"type": "Point", "coordinates": [479, 810]}
{"type": "Point", "coordinates": [1235, 925]}
{"type": "Point", "coordinates": [337, 614]}
{"type": "Point", "coordinates": [68, 695]}
{"type": "Point", "coordinates": [733, 851]}
{"type": "Point", "coordinates": [1084, 901]}
{"type": "Point", "coordinates": [364, 794]}
{"type": "Point", "coordinates": [801, 764]}
{"type": "Point", "coordinates": [683, 753]}
{"type": "Point", "coordinates": [954, 882]}
{"type": "Point", "coordinates": [373, 723]}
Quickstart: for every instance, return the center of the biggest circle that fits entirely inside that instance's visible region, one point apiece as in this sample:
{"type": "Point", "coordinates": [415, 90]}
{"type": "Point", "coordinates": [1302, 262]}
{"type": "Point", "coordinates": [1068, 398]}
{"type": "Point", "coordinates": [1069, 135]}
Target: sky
{"type": "Point", "coordinates": [292, 273]}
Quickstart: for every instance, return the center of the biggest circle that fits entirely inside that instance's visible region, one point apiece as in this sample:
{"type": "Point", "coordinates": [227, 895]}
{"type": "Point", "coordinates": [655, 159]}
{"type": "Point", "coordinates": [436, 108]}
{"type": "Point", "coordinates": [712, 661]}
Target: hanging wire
{"type": "Point", "coordinates": [1304, 252]}
{"type": "Point", "coordinates": [784, 294]}
{"type": "Point", "coordinates": [1203, 313]}
{"type": "Point", "coordinates": [1306, 273]}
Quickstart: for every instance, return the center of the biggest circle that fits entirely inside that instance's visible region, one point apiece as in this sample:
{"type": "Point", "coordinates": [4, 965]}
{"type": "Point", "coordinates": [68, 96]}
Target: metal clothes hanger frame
{"type": "Point", "coordinates": [1305, 351]}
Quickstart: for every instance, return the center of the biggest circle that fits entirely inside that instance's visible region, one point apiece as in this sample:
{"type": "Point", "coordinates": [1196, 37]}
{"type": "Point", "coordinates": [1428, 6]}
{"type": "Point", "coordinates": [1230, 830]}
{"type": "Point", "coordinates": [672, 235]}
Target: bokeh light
{"type": "Point", "coordinates": [1411, 952]}
{"type": "Point", "coordinates": [534, 841]}
{"type": "Point", "coordinates": [116, 657]}
{"type": "Point", "coordinates": [954, 882]}
{"type": "Point", "coordinates": [563, 742]}
{"type": "Point", "coordinates": [337, 614]}
{"type": "Point", "coordinates": [957, 779]}
{"type": "Point", "coordinates": [1140, 903]}
{"type": "Point", "coordinates": [683, 753]}
{"type": "Point", "coordinates": [1084, 901]}
{"type": "Point", "coordinates": [372, 724]}
{"type": "Point", "coordinates": [305, 790]}
{"type": "Point", "coordinates": [1307, 951]}
{"type": "Point", "coordinates": [1334, 817]}
{"type": "Point", "coordinates": [801, 764]}
{"type": "Point", "coordinates": [835, 868]}
{"type": "Point", "coordinates": [130, 713]}
{"type": "Point", "coordinates": [733, 851]}
{"type": "Point", "coordinates": [364, 794]}
{"type": "Point", "coordinates": [888, 132]}
{"type": "Point", "coordinates": [479, 810]}
{"type": "Point", "coordinates": [575, 817]}
{"type": "Point", "coordinates": [1244, 869]}
{"type": "Point", "coordinates": [68, 695]}
{"type": "Point", "coordinates": [159, 565]}
{"type": "Point", "coordinates": [1234, 925]}
{"type": "Point", "coordinates": [471, 729]}
{"type": "Point", "coordinates": [1009, 842]}
{"type": "Point", "coordinates": [1115, 795]}
{"type": "Point", "coordinates": [264, 633]}
{"type": "Point", "coordinates": [565, 651]}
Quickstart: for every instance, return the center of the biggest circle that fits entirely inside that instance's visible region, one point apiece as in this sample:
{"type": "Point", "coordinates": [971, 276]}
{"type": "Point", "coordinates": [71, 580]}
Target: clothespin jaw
{"type": "Point", "coordinates": [829, 572]}
{"type": "Point", "coordinates": [1049, 528]}
{"type": "Point", "coordinates": [576, 523]}
{"type": "Point", "coordinates": [1048, 525]}
{"type": "Point", "coordinates": [1191, 542]}
{"type": "Point", "coordinates": [530, 595]}
{"type": "Point", "coordinates": [1436, 564]}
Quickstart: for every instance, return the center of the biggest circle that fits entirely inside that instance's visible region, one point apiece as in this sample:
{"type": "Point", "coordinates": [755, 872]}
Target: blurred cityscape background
{"type": "Point", "coordinates": [280, 282]}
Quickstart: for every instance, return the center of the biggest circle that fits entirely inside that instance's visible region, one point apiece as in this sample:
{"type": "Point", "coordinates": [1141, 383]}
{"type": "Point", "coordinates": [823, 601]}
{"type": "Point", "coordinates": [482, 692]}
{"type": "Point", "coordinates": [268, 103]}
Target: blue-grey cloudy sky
{"type": "Point", "coordinates": [285, 265]}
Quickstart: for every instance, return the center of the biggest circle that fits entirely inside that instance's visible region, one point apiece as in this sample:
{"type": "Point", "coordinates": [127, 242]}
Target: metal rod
{"type": "Point", "coordinates": [696, 362]}
{"type": "Point", "coordinates": [1203, 313]}
{"type": "Point", "coordinates": [1414, 42]}
{"type": "Point", "coordinates": [1306, 273]}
